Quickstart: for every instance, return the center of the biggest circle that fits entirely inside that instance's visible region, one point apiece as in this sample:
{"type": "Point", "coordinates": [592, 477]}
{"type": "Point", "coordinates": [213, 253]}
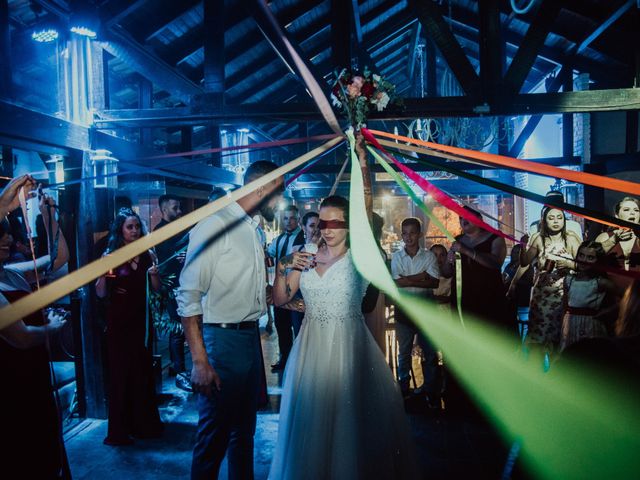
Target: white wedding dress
{"type": "Point", "coordinates": [341, 415]}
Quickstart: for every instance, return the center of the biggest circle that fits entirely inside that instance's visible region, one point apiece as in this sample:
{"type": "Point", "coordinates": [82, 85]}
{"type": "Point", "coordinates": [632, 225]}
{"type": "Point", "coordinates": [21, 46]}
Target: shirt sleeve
{"type": "Point", "coordinates": [395, 266]}
{"type": "Point", "coordinates": [206, 242]}
{"type": "Point", "coordinates": [431, 266]}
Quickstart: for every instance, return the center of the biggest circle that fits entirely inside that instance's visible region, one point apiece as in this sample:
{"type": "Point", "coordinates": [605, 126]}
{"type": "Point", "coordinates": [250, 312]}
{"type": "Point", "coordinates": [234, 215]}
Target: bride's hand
{"type": "Point", "coordinates": [298, 261]}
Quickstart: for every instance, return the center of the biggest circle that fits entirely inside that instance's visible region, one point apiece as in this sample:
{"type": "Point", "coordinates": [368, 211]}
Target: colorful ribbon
{"type": "Point", "coordinates": [421, 205]}
{"type": "Point", "coordinates": [275, 143]}
{"type": "Point", "coordinates": [573, 209]}
{"type": "Point", "coordinates": [314, 88]}
{"type": "Point", "coordinates": [435, 192]}
{"type": "Point", "coordinates": [486, 363]}
{"type": "Point", "coordinates": [65, 285]}
{"type": "Point", "coordinates": [525, 165]}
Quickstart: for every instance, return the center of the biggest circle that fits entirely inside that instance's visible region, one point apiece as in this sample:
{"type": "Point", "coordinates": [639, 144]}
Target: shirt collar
{"type": "Point", "coordinates": [294, 233]}
{"type": "Point", "coordinates": [419, 253]}
{"type": "Point", "coordinates": [237, 211]}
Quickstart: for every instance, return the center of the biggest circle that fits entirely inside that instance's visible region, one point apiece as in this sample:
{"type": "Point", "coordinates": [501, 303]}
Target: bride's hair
{"type": "Point", "coordinates": [337, 201]}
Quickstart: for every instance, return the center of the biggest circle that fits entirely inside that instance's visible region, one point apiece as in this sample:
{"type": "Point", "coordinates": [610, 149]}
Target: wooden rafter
{"type": "Point", "coordinates": [436, 27]}
{"type": "Point", "coordinates": [528, 51]}
{"type": "Point", "coordinates": [522, 104]}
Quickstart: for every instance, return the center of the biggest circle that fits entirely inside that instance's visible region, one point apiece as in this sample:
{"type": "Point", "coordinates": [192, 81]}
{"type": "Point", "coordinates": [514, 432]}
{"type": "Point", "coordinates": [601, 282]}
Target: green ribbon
{"type": "Point", "coordinates": [421, 205]}
{"type": "Point", "coordinates": [570, 406]}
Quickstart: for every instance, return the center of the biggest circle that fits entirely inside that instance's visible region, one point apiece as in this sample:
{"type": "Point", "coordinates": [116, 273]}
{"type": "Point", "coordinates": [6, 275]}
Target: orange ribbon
{"type": "Point", "coordinates": [526, 165]}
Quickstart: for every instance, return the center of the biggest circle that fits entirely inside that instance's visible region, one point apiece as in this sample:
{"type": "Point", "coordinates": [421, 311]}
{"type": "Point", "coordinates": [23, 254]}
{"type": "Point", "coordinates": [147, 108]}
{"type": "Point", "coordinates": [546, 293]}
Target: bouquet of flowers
{"type": "Point", "coordinates": [356, 94]}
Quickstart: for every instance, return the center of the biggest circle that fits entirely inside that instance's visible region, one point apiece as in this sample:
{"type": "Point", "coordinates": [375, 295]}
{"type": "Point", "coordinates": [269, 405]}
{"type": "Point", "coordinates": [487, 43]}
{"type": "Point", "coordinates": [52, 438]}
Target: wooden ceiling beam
{"type": "Point", "coordinates": [430, 16]}
{"type": "Point", "coordinates": [165, 13]}
{"type": "Point", "coordinates": [52, 132]}
{"type": "Point", "coordinates": [463, 20]}
{"type": "Point", "coordinates": [112, 12]}
{"type": "Point", "coordinates": [522, 104]}
{"type": "Point", "coordinates": [492, 49]}
{"type": "Point", "coordinates": [531, 44]}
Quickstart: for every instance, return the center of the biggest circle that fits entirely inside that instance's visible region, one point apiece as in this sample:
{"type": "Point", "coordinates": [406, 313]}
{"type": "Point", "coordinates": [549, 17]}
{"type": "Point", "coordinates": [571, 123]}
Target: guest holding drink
{"type": "Point", "coordinates": [555, 249]}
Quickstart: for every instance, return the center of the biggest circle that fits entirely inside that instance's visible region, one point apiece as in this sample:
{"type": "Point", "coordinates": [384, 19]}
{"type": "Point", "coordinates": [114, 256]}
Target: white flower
{"type": "Point", "coordinates": [382, 102]}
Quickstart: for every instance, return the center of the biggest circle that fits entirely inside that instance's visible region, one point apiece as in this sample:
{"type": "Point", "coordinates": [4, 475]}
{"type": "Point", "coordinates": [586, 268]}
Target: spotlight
{"type": "Point", "coordinates": [45, 36]}
{"type": "Point", "coordinates": [84, 31]}
{"type": "Point", "coordinates": [243, 130]}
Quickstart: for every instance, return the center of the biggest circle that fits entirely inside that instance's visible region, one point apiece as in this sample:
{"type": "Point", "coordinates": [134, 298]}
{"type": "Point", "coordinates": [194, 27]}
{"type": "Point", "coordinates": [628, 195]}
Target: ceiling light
{"type": "Point", "coordinates": [45, 36]}
{"type": "Point", "coordinates": [84, 31]}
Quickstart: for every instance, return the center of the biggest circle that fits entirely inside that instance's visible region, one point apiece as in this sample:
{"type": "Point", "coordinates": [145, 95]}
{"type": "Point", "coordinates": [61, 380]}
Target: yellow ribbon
{"type": "Point", "coordinates": [67, 284]}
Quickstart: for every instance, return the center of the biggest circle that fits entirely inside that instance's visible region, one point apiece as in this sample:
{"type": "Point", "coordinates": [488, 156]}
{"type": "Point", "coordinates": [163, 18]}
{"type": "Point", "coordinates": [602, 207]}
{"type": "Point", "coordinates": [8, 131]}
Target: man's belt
{"type": "Point", "coordinates": [235, 326]}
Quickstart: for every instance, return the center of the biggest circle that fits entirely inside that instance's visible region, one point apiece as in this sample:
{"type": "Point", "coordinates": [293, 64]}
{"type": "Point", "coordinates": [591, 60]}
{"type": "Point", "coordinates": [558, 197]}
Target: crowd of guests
{"type": "Point", "coordinates": [559, 292]}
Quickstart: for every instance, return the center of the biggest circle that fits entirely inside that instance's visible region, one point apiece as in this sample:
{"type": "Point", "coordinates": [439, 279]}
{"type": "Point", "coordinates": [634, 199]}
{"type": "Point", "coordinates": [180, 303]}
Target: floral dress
{"type": "Point", "coordinates": [546, 307]}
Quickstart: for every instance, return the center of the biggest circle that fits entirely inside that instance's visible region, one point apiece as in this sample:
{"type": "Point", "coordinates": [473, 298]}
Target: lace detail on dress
{"type": "Point", "coordinates": [335, 296]}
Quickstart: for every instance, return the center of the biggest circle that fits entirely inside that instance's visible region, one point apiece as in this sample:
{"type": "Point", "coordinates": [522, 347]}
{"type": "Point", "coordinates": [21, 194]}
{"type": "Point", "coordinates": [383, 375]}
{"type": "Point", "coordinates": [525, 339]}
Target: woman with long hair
{"type": "Point", "coordinates": [622, 245]}
{"type": "Point", "coordinates": [555, 249]}
{"type": "Point", "coordinates": [342, 415]}
{"type": "Point", "coordinates": [133, 410]}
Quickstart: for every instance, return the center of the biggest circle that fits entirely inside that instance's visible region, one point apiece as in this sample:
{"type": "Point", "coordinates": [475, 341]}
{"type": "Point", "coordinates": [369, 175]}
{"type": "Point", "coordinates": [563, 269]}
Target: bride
{"type": "Point", "coordinates": [341, 416]}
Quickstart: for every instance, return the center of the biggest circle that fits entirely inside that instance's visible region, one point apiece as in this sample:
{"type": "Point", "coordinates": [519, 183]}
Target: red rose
{"type": "Point", "coordinates": [368, 90]}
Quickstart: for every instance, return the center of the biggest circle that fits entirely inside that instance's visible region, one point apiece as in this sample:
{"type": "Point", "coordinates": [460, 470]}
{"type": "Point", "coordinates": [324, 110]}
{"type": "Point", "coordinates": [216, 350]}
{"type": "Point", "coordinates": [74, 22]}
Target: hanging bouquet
{"type": "Point", "coordinates": [357, 94]}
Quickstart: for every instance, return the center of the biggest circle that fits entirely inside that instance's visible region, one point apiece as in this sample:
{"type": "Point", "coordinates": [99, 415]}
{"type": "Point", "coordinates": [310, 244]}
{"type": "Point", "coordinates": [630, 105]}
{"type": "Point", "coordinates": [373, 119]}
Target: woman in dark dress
{"type": "Point", "coordinates": [483, 293]}
{"type": "Point", "coordinates": [483, 254]}
{"type": "Point", "coordinates": [33, 446]}
{"type": "Point", "coordinates": [133, 410]}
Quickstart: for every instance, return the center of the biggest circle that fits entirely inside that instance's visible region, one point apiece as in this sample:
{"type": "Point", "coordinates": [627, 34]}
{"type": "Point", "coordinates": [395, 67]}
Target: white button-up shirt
{"type": "Point", "coordinates": [277, 245]}
{"type": "Point", "coordinates": [404, 265]}
{"type": "Point", "coordinates": [224, 277]}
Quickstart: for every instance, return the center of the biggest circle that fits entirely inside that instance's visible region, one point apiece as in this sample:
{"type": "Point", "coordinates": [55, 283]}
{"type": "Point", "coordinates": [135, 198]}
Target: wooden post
{"type": "Point", "coordinates": [91, 331]}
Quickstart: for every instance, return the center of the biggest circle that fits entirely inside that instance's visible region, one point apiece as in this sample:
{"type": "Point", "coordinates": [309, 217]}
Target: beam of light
{"type": "Point", "coordinates": [574, 422]}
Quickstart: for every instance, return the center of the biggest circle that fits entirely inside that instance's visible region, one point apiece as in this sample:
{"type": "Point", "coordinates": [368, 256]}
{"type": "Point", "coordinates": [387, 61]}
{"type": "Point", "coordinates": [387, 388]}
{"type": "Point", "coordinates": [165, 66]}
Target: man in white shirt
{"type": "Point", "coordinates": [416, 271]}
{"type": "Point", "coordinates": [222, 295]}
{"type": "Point", "coordinates": [284, 244]}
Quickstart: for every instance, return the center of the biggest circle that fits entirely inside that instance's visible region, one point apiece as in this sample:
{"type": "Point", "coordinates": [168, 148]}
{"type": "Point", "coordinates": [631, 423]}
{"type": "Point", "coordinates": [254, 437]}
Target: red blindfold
{"type": "Point", "coordinates": [333, 224]}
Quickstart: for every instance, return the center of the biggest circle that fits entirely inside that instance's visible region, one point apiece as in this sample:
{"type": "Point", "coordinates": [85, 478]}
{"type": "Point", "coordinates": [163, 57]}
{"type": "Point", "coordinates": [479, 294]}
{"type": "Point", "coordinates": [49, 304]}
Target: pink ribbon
{"type": "Point", "coordinates": [434, 191]}
{"type": "Point", "coordinates": [302, 171]}
{"type": "Point", "coordinates": [277, 143]}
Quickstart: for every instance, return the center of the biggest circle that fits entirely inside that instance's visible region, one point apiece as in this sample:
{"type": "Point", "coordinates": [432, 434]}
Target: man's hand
{"type": "Point", "coordinates": [203, 377]}
{"type": "Point", "coordinates": [403, 281]}
{"type": "Point", "coordinates": [56, 321]}
{"type": "Point", "coordinates": [9, 200]}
